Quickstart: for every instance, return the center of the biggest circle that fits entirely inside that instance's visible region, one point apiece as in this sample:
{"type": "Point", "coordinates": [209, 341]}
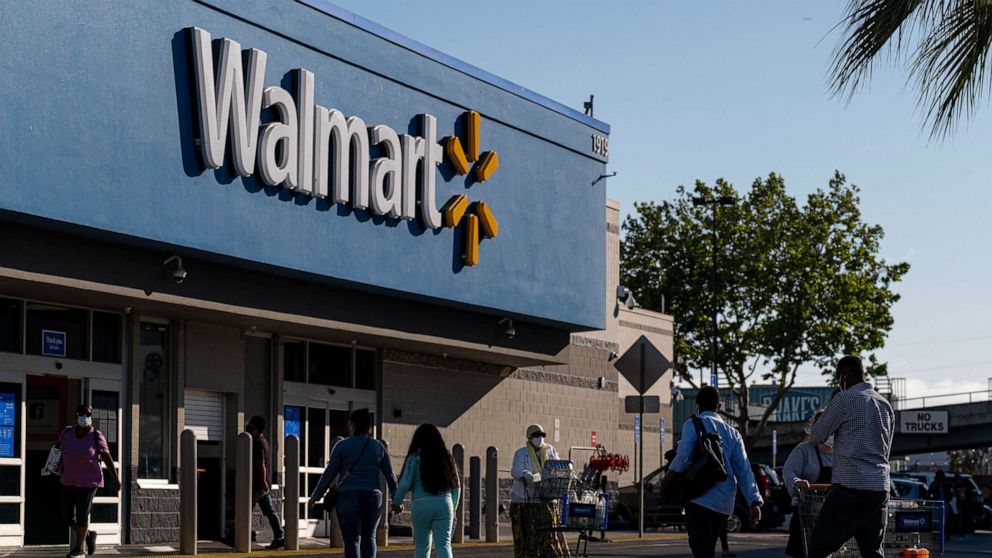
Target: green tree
{"type": "Point", "coordinates": [798, 285]}
{"type": "Point", "coordinates": [944, 42]}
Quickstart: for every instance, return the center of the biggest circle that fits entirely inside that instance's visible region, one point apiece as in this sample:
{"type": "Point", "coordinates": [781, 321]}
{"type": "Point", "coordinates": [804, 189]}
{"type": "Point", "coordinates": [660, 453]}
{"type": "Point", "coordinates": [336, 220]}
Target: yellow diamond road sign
{"type": "Point", "coordinates": [642, 355]}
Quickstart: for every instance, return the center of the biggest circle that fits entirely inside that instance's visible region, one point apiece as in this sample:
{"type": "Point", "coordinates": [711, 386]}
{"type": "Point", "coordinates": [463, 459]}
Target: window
{"type": "Point", "coordinates": [10, 325]}
{"type": "Point", "coordinates": [106, 337]}
{"type": "Point", "coordinates": [330, 365]}
{"type": "Point", "coordinates": [364, 369]}
{"type": "Point", "coordinates": [154, 380]}
{"type": "Point", "coordinates": [47, 323]}
{"type": "Point", "coordinates": [294, 364]}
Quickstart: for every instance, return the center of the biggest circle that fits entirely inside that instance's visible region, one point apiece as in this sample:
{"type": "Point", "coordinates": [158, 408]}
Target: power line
{"type": "Point", "coordinates": [936, 341]}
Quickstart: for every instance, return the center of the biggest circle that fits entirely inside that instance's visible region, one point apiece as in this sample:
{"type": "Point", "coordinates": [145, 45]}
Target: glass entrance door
{"type": "Point", "coordinates": [105, 399]}
{"type": "Point", "coordinates": [11, 459]}
{"type": "Point", "coordinates": [319, 425]}
{"type": "Point", "coordinates": [51, 404]}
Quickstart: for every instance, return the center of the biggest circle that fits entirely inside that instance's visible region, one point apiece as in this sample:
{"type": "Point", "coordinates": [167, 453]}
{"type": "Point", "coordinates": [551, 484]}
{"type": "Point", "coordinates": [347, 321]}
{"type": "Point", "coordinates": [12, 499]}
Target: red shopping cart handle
{"type": "Point", "coordinates": [819, 486]}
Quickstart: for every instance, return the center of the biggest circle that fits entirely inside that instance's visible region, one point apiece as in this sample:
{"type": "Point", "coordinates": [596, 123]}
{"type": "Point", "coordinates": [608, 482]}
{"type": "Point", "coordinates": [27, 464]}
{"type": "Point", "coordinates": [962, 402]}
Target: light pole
{"type": "Point", "coordinates": [713, 203]}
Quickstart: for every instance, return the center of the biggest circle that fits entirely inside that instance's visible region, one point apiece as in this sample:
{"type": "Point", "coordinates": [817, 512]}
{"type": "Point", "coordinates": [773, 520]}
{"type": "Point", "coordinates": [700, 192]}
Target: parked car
{"type": "Point", "coordinates": [909, 489]}
{"type": "Point", "coordinates": [773, 512]}
{"type": "Point", "coordinates": [977, 514]}
{"type": "Point", "coordinates": [658, 515]}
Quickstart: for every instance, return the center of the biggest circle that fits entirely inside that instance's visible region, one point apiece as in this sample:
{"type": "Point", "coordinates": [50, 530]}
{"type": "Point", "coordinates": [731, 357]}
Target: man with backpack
{"type": "Point", "coordinates": [709, 463]}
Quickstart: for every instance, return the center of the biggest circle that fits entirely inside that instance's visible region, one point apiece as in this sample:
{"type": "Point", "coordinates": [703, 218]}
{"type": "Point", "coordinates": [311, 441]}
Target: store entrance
{"type": "Point", "coordinates": [51, 402]}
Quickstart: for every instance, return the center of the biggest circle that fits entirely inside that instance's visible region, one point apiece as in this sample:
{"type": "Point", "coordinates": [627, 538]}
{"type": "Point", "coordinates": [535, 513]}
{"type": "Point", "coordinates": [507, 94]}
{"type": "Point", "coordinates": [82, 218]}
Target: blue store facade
{"type": "Point", "coordinates": [213, 209]}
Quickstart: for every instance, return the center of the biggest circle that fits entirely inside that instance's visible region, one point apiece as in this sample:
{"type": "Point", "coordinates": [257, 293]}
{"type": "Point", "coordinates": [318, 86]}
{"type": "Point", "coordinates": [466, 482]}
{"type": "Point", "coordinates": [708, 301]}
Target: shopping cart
{"type": "Point", "coordinates": [911, 523]}
{"type": "Point", "coordinates": [584, 511]}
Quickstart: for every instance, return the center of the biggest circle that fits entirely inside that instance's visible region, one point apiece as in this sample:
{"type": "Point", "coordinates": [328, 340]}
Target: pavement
{"type": "Point", "coordinates": [624, 545]}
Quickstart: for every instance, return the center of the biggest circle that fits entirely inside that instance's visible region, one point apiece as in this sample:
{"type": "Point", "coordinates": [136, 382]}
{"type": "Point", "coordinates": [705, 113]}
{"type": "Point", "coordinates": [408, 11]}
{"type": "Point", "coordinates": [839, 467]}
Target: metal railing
{"type": "Point", "coordinates": [943, 399]}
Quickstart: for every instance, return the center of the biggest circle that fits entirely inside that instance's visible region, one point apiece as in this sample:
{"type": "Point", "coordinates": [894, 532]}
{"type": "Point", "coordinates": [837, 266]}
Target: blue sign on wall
{"type": "Point", "coordinates": [8, 422]}
{"type": "Point", "coordinates": [135, 121]}
{"type": "Point", "coordinates": [291, 415]}
{"type": "Point", "coordinates": [53, 343]}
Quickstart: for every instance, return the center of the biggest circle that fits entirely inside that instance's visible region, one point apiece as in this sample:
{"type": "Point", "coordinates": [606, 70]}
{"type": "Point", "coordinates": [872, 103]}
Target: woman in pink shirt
{"type": "Point", "coordinates": [82, 449]}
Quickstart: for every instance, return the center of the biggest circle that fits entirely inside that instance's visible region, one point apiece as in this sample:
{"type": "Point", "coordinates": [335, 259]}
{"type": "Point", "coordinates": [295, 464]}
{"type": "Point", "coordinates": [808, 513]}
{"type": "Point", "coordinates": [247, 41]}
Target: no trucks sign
{"type": "Point", "coordinates": [923, 422]}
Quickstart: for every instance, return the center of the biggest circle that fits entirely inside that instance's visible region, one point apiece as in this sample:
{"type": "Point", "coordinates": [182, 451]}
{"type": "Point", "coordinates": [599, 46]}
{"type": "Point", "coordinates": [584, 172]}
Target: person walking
{"type": "Point", "coordinates": [356, 463]}
{"type": "Point", "coordinates": [942, 490]}
{"type": "Point", "coordinates": [706, 516]}
{"type": "Point", "coordinates": [806, 463]}
{"type": "Point", "coordinates": [83, 447]}
{"type": "Point", "coordinates": [527, 512]}
{"type": "Point", "coordinates": [861, 422]}
{"type": "Point", "coordinates": [261, 480]}
{"type": "Point", "coordinates": [430, 473]}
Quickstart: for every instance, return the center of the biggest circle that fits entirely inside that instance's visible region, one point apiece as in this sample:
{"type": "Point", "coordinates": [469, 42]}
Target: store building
{"type": "Point", "coordinates": [217, 209]}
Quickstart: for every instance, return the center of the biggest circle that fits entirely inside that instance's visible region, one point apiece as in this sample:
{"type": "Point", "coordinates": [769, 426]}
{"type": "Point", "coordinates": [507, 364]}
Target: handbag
{"type": "Point", "coordinates": [53, 465]}
{"type": "Point", "coordinates": [331, 497]}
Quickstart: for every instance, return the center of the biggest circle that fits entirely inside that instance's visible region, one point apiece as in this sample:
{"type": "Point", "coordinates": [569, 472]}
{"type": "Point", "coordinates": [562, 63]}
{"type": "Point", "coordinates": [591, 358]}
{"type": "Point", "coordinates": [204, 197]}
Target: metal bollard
{"type": "Point", "coordinates": [475, 498]}
{"type": "Point", "coordinates": [458, 452]}
{"type": "Point", "coordinates": [242, 494]}
{"type": "Point", "coordinates": [492, 494]}
{"type": "Point", "coordinates": [187, 493]}
{"type": "Point", "coordinates": [336, 540]}
{"type": "Point", "coordinates": [291, 498]}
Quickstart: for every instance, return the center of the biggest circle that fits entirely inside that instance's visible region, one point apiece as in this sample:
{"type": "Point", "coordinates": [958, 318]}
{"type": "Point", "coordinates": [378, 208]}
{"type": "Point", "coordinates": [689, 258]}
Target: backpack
{"type": "Point", "coordinates": [705, 469]}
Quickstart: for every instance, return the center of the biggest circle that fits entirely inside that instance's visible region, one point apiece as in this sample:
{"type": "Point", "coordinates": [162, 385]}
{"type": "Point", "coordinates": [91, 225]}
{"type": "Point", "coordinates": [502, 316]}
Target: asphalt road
{"type": "Point", "coordinates": [764, 545]}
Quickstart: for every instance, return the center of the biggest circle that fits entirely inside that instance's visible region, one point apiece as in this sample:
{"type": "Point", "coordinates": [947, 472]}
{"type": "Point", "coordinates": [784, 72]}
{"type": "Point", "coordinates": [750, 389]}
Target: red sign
{"type": "Point", "coordinates": [593, 444]}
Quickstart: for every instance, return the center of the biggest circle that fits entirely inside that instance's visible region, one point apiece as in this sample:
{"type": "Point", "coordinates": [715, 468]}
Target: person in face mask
{"type": "Point", "coordinates": [806, 464]}
{"type": "Point", "coordinates": [83, 447]}
{"type": "Point", "coordinates": [526, 511]}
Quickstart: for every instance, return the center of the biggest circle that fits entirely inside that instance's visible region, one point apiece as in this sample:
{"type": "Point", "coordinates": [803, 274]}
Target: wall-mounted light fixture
{"type": "Point", "coordinates": [179, 273]}
{"type": "Point", "coordinates": [507, 327]}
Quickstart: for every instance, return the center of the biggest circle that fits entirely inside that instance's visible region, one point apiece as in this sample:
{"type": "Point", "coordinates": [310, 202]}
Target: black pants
{"type": "Point", "coordinates": [76, 505]}
{"type": "Point", "coordinates": [847, 513]}
{"type": "Point", "coordinates": [704, 526]}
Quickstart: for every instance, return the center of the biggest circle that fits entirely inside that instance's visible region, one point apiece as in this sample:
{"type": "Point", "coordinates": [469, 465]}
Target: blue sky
{"type": "Point", "coordinates": [738, 90]}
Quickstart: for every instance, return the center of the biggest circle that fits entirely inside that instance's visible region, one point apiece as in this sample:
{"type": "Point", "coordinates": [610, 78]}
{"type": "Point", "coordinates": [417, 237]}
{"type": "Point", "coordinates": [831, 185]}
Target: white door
{"type": "Point", "coordinates": [105, 399]}
{"type": "Point", "coordinates": [12, 444]}
{"type": "Point", "coordinates": [318, 424]}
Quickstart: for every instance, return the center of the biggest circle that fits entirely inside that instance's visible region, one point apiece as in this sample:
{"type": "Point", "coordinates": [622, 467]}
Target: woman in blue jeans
{"type": "Point", "coordinates": [430, 473]}
{"type": "Point", "coordinates": [356, 462]}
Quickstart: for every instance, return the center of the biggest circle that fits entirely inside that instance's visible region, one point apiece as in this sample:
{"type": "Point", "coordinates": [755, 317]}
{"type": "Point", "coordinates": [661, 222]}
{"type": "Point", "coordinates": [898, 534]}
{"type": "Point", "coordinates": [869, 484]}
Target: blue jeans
{"type": "Point", "coordinates": [433, 517]}
{"type": "Point", "coordinates": [358, 514]}
{"type": "Point", "coordinates": [264, 502]}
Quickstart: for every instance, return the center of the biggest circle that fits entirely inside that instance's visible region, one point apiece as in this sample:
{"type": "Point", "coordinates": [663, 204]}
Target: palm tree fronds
{"type": "Point", "coordinates": [869, 27]}
{"type": "Point", "coordinates": [950, 64]}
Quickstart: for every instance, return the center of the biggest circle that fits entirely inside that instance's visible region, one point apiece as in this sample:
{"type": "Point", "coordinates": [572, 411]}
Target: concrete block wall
{"type": "Point", "coordinates": [154, 514]}
{"type": "Point", "coordinates": [479, 405]}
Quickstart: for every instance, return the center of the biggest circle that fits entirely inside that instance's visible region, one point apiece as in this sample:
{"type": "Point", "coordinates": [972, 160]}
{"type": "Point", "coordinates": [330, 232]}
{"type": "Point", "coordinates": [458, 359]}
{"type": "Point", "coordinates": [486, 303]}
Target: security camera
{"type": "Point", "coordinates": [179, 274]}
{"type": "Point", "coordinates": [508, 330]}
{"type": "Point", "coordinates": [625, 297]}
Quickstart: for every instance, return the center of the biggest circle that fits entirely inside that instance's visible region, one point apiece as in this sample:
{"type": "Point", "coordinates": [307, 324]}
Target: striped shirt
{"type": "Point", "coordinates": [862, 423]}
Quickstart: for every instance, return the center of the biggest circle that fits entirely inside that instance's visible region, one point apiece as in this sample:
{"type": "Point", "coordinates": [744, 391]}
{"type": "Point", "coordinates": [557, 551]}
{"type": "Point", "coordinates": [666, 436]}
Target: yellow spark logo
{"type": "Point", "coordinates": [478, 218]}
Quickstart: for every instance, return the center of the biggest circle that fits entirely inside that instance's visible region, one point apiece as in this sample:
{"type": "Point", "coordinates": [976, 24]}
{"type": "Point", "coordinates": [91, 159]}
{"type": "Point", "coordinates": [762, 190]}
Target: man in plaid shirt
{"type": "Point", "coordinates": [861, 422]}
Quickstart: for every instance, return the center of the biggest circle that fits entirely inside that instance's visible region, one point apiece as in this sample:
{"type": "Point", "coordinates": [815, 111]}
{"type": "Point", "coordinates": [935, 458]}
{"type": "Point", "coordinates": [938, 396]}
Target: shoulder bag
{"type": "Point", "coordinates": [331, 498]}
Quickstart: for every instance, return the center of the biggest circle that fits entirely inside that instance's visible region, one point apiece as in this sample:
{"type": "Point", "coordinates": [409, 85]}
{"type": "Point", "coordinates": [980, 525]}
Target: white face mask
{"type": "Point", "coordinates": [830, 441]}
{"type": "Point", "coordinates": [538, 441]}
{"type": "Point", "coordinates": [84, 421]}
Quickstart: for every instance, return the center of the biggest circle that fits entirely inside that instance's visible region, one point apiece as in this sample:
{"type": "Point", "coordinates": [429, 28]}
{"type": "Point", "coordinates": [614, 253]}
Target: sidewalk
{"type": "Point", "coordinates": [308, 547]}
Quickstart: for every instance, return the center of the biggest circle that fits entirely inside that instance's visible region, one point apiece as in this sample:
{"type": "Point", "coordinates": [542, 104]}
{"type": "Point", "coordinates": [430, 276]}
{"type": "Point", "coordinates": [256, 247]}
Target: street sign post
{"type": "Point", "coordinates": [714, 380]}
{"type": "Point", "coordinates": [642, 365]}
{"type": "Point", "coordinates": [774, 448]}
